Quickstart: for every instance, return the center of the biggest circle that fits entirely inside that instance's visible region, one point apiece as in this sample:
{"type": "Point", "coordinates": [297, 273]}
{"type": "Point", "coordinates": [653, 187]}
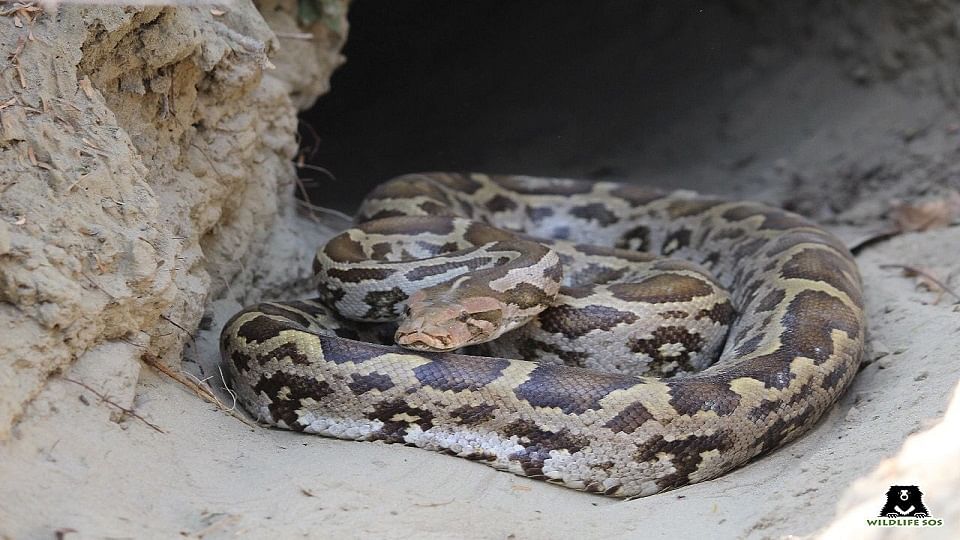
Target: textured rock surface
{"type": "Point", "coordinates": [145, 154]}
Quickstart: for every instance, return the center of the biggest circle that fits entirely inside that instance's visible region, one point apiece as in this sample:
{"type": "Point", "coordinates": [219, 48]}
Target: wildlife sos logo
{"type": "Point", "coordinates": [904, 508]}
{"type": "Point", "coordinates": [904, 501]}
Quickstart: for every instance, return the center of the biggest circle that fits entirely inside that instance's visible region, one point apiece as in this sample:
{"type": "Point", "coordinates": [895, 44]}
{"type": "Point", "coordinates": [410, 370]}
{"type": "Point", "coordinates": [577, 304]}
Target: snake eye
{"type": "Point", "coordinates": [463, 317]}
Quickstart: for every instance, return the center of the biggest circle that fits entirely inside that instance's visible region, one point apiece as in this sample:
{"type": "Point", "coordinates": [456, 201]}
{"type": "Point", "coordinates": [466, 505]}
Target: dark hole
{"type": "Point", "coordinates": [582, 89]}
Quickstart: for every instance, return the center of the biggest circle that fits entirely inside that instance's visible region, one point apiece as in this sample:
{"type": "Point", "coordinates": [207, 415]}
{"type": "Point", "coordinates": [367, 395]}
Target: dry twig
{"type": "Point", "coordinates": [913, 271]}
{"type": "Point", "coordinates": [346, 220]}
{"type": "Point", "coordinates": [294, 35]}
{"type": "Point", "coordinates": [109, 401]}
{"type": "Point", "coordinates": [14, 58]}
{"type": "Point", "coordinates": [318, 169]}
{"type": "Point", "coordinates": [201, 388]}
{"type": "Point", "coordinates": [185, 331]}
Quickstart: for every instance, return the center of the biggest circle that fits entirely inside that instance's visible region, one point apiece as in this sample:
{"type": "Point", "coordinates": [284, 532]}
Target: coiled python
{"type": "Point", "coordinates": [456, 259]}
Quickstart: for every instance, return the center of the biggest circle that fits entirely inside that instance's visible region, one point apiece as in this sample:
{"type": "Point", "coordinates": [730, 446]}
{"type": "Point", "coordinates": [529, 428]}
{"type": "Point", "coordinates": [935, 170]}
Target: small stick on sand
{"type": "Point", "coordinates": [202, 389]}
{"type": "Point", "coordinates": [914, 271]}
{"type": "Point", "coordinates": [108, 401]}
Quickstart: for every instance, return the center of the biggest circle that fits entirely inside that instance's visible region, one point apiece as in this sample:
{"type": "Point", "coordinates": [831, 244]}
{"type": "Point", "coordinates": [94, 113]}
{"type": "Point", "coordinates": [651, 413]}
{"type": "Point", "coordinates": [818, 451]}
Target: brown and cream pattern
{"type": "Point", "coordinates": [605, 369]}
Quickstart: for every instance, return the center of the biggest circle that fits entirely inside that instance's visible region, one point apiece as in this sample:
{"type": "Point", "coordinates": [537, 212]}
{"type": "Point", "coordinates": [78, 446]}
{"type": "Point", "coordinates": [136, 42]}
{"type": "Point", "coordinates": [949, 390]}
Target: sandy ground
{"type": "Point", "coordinates": [184, 468]}
{"type": "Point", "coordinates": [211, 476]}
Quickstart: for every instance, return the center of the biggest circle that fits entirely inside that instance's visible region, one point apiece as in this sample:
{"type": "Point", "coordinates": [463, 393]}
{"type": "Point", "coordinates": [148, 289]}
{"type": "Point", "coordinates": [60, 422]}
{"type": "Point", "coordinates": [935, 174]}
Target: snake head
{"type": "Point", "coordinates": [446, 326]}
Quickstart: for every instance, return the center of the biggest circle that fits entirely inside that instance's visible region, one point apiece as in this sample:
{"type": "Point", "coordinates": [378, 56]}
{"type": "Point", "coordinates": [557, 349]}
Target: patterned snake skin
{"type": "Point", "coordinates": [620, 397]}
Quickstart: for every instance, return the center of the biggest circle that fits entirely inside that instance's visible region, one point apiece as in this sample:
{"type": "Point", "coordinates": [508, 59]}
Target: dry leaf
{"type": "Point", "coordinates": [925, 280]}
{"type": "Point", "coordinates": [16, 52]}
{"type": "Point", "coordinates": [86, 86]}
{"type": "Point", "coordinates": [23, 80]}
{"type": "Point", "coordinates": [90, 144]}
{"type": "Point", "coordinates": [923, 216]}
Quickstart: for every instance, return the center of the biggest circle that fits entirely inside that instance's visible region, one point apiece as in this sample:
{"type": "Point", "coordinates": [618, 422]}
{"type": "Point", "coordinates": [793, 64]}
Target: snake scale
{"type": "Point", "coordinates": [641, 340]}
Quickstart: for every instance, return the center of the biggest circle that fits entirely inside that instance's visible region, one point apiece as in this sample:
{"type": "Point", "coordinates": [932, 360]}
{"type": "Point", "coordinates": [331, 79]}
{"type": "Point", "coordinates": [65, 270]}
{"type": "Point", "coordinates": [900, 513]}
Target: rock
{"type": "Point", "coordinates": [155, 153]}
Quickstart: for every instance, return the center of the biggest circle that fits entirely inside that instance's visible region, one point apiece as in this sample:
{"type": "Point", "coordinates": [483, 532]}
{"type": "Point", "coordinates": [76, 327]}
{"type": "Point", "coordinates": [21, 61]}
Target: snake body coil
{"type": "Point", "coordinates": [456, 258]}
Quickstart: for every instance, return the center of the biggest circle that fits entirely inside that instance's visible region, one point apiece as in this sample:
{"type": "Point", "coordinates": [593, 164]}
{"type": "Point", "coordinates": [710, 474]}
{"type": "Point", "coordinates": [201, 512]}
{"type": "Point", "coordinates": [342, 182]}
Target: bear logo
{"type": "Point", "coordinates": [904, 501]}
